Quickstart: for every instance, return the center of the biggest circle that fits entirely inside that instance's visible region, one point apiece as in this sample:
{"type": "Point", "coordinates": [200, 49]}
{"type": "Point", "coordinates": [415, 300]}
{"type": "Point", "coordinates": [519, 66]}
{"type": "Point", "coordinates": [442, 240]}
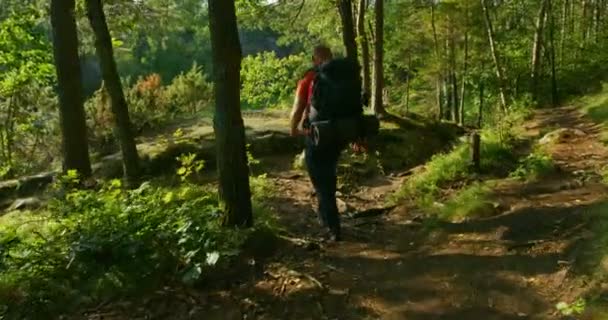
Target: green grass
{"type": "Point", "coordinates": [596, 107]}
{"type": "Point", "coordinates": [443, 169]}
{"type": "Point", "coordinates": [472, 201]}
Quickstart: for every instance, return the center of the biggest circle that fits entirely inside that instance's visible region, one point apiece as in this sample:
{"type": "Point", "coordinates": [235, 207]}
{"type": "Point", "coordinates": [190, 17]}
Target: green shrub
{"type": "Point", "coordinates": [98, 244]}
{"type": "Point", "coordinates": [268, 81]}
{"type": "Point", "coordinates": [189, 92]}
{"type": "Point", "coordinates": [534, 166]}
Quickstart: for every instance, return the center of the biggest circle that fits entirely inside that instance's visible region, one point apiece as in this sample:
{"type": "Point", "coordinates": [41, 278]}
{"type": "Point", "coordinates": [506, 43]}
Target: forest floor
{"type": "Point", "coordinates": [393, 264]}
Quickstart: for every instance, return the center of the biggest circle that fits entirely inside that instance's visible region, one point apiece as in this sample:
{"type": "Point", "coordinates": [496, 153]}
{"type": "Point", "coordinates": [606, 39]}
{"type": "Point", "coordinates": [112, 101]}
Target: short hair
{"type": "Point", "coordinates": [322, 52]}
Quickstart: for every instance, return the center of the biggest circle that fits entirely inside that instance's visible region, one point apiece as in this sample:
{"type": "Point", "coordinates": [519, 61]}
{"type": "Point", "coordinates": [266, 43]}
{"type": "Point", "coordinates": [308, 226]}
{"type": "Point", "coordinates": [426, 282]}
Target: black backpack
{"type": "Point", "coordinates": [337, 103]}
{"type": "Point", "coordinates": [336, 92]}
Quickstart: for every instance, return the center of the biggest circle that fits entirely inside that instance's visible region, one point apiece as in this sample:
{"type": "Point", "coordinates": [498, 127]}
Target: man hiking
{"type": "Point", "coordinates": [314, 103]}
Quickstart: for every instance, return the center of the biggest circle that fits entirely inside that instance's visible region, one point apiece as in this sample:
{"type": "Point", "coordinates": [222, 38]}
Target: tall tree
{"type": "Point", "coordinates": [537, 48]}
{"type": "Point", "coordinates": [554, 90]}
{"type": "Point", "coordinates": [234, 189]}
{"type": "Point", "coordinates": [495, 55]}
{"type": "Point", "coordinates": [439, 78]}
{"type": "Point", "coordinates": [103, 45]}
{"type": "Point", "coordinates": [363, 41]}
{"type": "Point", "coordinates": [71, 109]}
{"type": "Point", "coordinates": [348, 28]}
{"type": "Point", "coordinates": [377, 103]}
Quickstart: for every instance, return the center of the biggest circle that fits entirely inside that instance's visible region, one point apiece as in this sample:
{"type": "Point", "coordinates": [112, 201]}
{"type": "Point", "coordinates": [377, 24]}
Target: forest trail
{"type": "Point", "coordinates": [395, 265]}
{"type": "Point", "coordinates": [516, 265]}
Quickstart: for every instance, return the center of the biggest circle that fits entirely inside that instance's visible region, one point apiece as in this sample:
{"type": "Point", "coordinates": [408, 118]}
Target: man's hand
{"type": "Point", "coordinates": [297, 132]}
{"type": "Point", "coordinates": [359, 147]}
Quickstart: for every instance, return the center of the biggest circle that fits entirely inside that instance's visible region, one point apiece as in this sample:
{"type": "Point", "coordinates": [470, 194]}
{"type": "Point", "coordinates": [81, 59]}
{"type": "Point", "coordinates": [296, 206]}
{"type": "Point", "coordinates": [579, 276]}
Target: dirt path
{"type": "Point", "coordinates": [516, 265]}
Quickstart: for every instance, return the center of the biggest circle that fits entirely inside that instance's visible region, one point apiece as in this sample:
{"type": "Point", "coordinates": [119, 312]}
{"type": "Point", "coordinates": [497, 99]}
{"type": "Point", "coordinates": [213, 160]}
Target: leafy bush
{"type": "Point", "coordinates": [268, 80]}
{"type": "Point", "coordinates": [534, 166]}
{"type": "Point", "coordinates": [98, 244]}
{"type": "Point", "coordinates": [189, 92]}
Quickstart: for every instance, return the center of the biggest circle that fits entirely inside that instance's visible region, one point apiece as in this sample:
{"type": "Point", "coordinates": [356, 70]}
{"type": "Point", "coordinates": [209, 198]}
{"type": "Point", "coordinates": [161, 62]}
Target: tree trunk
{"type": "Point", "coordinates": [438, 81]}
{"type": "Point", "coordinates": [465, 70]}
{"type": "Point", "coordinates": [365, 55]}
{"type": "Point", "coordinates": [480, 111]}
{"type": "Point", "coordinates": [234, 190]}
{"type": "Point", "coordinates": [454, 81]}
{"type": "Point", "coordinates": [537, 49]}
{"type": "Point", "coordinates": [71, 109]}
{"type": "Point", "coordinates": [554, 89]}
{"type": "Point", "coordinates": [495, 56]}
{"type": "Point", "coordinates": [348, 34]}
{"type": "Point", "coordinates": [103, 44]}
{"type": "Point", "coordinates": [377, 102]}
{"type": "Point", "coordinates": [408, 84]}
{"type": "Point", "coordinates": [562, 40]}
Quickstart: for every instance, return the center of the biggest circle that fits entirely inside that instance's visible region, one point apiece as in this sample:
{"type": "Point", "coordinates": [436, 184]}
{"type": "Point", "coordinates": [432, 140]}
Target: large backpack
{"type": "Point", "coordinates": [336, 115]}
{"type": "Point", "coordinates": [336, 92]}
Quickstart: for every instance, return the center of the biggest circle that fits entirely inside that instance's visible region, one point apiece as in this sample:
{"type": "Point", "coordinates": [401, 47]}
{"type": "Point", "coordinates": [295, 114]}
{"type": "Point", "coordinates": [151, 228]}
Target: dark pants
{"type": "Point", "coordinates": [322, 166]}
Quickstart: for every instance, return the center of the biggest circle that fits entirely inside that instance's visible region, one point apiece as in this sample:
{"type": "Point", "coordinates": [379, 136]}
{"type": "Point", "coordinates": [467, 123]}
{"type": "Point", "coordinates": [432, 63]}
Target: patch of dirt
{"type": "Point", "coordinates": [515, 265]}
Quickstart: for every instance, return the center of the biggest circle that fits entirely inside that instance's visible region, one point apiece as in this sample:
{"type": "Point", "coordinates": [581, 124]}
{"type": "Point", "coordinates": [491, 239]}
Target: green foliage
{"type": "Point", "coordinates": [153, 105]}
{"type": "Point", "coordinates": [576, 308]}
{"type": "Point", "coordinates": [269, 81]}
{"type": "Point", "coordinates": [91, 245]}
{"type": "Point", "coordinates": [472, 201]}
{"type": "Point", "coordinates": [26, 70]}
{"type": "Point", "coordinates": [534, 166]}
{"type": "Point", "coordinates": [454, 166]}
{"type": "Point", "coordinates": [189, 165]}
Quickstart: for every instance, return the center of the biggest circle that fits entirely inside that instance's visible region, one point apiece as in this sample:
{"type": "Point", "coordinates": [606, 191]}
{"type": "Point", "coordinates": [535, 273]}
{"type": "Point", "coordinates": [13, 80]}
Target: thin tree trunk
{"type": "Point", "coordinates": [554, 89]}
{"type": "Point", "coordinates": [562, 40]}
{"type": "Point", "coordinates": [596, 21]}
{"type": "Point", "coordinates": [377, 102]}
{"type": "Point", "coordinates": [454, 81]}
{"type": "Point", "coordinates": [537, 49]}
{"type": "Point", "coordinates": [408, 84]}
{"type": "Point", "coordinates": [348, 30]}
{"type": "Point", "coordinates": [365, 55]}
{"type": "Point", "coordinates": [103, 44]}
{"type": "Point", "coordinates": [71, 109]}
{"type": "Point", "coordinates": [438, 81]}
{"type": "Point", "coordinates": [495, 56]}
{"type": "Point", "coordinates": [480, 111]}
{"type": "Point", "coordinates": [234, 189]}
{"type": "Point", "coordinates": [465, 70]}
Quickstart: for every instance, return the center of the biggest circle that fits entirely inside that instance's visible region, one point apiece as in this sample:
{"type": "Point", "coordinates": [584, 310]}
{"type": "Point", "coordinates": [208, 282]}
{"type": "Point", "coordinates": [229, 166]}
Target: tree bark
{"type": "Point", "coordinates": [554, 89]}
{"type": "Point", "coordinates": [465, 70]}
{"type": "Point", "coordinates": [365, 55]}
{"type": "Point", "coordinates": [480, 111]}
{"type": "Point", "coordinates": [495, 56]}
{"type": "Point", "coordinates": [348, 31]}
{"type": "Point", "coordinates": [71, 109]}
{"type": "Point", "coordinates": [438, 81]}
{"type": "Point", "coordinates": [234, 189]}
{"type": "Point", "coordinates": [103, 44]}
{"type": "Point", "coordinates": [377, 102]}
{"type": "Point", "coordinates": [537, 49]}
{"type": "Point", "coordinates": [408, 84]}
{"type": "Point", "coordinates": [454, 80]}
{"type": "Point", "coordinates": [562, 40]}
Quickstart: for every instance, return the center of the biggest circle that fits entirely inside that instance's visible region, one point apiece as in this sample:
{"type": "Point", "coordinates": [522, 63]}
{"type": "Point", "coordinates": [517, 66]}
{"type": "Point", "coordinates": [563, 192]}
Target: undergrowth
{"type": "Point", "coordinates": [444, 169]}
{"type": "Point", "coordinates": [536, 165]}
{"type": "Point", "coordinates": [93, 245]}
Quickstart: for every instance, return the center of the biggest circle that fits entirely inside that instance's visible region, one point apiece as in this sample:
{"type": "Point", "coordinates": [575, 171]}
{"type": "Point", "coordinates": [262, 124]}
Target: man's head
{"type": "Point", "coordinates": [321, 54]}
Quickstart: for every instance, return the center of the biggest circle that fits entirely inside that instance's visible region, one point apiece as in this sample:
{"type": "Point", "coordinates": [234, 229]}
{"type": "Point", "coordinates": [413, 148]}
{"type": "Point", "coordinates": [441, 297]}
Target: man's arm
{"type": "Point", "coordinates": [299, 105]}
